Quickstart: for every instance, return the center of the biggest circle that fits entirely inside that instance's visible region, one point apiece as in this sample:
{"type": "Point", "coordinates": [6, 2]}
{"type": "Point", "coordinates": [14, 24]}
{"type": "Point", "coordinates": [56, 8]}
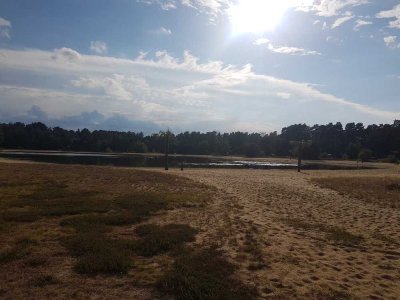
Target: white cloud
{"type": "Point", "coordinates": [4, 23]}
{"type": "Point", "coordinates": [340, 21]}
{"type": "Point", "coordinates": [391, 41]}
{"type": "Point", "coordinates": [361, 23]}
{"type": "Point", "coordinates": [211, 7]}
{"type": "Point", "coordinates": [284, 95]}
{"type": "Point", "coordinates": [261, 41]}
{"type": "Point", "coordinates": [181, 93]}
{"type": "Point", "coordinates": [164, 4]}
{"type": "Point", "coordinates": [394, 13]}
{"type": "Point", "coordinates": [285, 49]}
{"type": "Point", "coordinates": [329, 8]}
{"type": "Point", "coordinates": [161, 31]}
{"type": "Point", "coordinates": [118, 86]}
{"type": "Point", "coordinates": [98, 47]}
{"type": "Point", "coordinates": [66, 54]}
{"type": "Point", "coordinates": [5, 26]}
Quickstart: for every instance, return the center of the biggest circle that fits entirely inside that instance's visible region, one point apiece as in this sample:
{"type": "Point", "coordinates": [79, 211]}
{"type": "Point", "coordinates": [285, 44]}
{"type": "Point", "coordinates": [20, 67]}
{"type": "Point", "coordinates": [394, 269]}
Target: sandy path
{"type": "Point", "coordinates": [249, 219]}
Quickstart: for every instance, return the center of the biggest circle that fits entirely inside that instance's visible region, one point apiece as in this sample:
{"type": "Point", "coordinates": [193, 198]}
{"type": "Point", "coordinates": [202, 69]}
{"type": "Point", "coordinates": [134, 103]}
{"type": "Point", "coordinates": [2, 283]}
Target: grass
{"type": "Point", "coordinates": [21, 249]}
{"type": "Point", "coordinates": [386, 239]}
{"type": "Point", "coordinates": [203, 275]}
{"type": "Point", "coordinates": [334, 234]}
{"type": "Point", "coordinates": [343, 237]}
{"type": "Point", "coordinates": [161, 239]}
{"type": "Point", "coordinates": [44, 280]}
{"type": "Point", "coordinates": [98, 254]}
{"type": "Point", "coordinates": [328, 294]}
{"type": "Point", "coordinates": [303, 225]}
{"type": "Point", "coordinates": [21, 215]}
{"type": "Point", "coordinates": [91, 200]}
{"type": "Point", "coordinates": [383, 191]}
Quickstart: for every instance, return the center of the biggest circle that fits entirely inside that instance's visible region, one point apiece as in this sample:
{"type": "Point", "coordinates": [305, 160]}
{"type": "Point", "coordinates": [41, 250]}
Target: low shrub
{"type": "Point", "coordinates": [204, 275]}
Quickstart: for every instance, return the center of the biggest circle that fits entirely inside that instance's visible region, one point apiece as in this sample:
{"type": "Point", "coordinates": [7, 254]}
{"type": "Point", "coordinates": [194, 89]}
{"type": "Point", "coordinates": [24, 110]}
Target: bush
{"type": "Point", "coordinates": [97, 254]}
{"type": "Point", "coordinates": [161, 239]}
{"type": "Point", "coordinates": [204, 275]}
{"type": "Point", "coordinates": [108, 261]}
{"type": "Point", "coordinates": [365, 155]}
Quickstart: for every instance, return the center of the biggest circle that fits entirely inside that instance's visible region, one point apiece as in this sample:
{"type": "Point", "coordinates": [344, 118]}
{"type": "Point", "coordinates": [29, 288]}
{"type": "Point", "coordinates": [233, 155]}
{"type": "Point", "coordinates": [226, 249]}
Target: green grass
{"type": "Point", "coordinates": [204, 275]}
{"type": "Point", "coordinates": [161, 239]}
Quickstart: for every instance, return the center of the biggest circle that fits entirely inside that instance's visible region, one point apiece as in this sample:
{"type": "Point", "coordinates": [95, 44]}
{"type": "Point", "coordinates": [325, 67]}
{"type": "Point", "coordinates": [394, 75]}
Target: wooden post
{"type": "Point", "coordinates": [300, 150]}
{"type": "Point", "coordinates": [182, 166]}
{"type": "Point", "coordinates": [166, 150]}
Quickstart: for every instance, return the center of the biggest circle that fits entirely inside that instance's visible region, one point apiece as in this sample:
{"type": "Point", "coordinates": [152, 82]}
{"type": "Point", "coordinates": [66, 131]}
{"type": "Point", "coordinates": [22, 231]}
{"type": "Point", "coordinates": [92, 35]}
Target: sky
{"type": "Point", "coordinates": [199, 65]}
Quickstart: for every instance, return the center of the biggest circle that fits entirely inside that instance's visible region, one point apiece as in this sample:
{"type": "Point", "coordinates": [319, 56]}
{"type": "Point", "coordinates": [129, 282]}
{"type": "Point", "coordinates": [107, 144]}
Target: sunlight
{"type": "Point", "coordinates": [257, 16]}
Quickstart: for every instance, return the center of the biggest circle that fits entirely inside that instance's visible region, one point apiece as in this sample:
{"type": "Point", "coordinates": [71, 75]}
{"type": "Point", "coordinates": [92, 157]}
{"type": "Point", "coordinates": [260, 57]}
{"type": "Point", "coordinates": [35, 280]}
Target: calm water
{"type": "Point", "coordinates": [131, 160]}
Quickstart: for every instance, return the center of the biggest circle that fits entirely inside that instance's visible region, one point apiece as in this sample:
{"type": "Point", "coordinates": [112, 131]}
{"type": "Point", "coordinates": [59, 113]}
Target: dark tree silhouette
{"type": "Point", "coordinates": [324, 141]}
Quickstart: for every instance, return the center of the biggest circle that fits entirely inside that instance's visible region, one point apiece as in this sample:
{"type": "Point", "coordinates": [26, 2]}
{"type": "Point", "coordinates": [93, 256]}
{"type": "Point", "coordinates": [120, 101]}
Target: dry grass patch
{"type": "Point", "coordinates": [333, 234]}
{"type": "Point", "coordinates": [84, 204]}
{"type": "Point", "coordinates": [328, 294]}
{"type": "Point", "coordinates": [203, 275]}
{"type": "Point", "coordinates": [343, 237]}
{"type": "Point", "coordinates": [21, 249]}
{"type": "Point", "coordinates": [161, 239]}
{"type": "Point", "coordinates": [383, 191]}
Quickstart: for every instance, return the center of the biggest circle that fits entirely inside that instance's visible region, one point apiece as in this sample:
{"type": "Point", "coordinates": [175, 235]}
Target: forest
{"type": "Point", "coordinates": [352, 141]}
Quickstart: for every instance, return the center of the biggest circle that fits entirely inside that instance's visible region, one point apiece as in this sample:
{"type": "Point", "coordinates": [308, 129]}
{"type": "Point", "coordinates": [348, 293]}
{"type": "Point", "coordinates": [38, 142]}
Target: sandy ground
{"type": "Point", "coordinates": [248, 220]}
{"type": "Point", "coordinates": [248, 215]}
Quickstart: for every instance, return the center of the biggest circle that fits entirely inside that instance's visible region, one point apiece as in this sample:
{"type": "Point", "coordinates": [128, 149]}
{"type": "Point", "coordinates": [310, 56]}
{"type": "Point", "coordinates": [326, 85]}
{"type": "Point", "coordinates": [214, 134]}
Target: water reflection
{"type": "Point", "coordinates": [154, 161]}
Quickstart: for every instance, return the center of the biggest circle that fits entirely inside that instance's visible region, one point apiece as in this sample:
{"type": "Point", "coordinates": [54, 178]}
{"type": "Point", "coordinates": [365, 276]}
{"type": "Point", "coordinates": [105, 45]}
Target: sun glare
{"type": "Point", "coordinates": [257, 16]}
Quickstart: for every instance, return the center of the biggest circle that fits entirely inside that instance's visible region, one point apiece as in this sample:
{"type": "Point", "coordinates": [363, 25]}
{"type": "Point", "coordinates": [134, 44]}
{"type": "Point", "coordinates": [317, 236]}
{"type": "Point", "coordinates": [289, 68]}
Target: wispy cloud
{"type": "Point", "coordinates": [391, 41]}
{"type": "Point", "coordinates": [5, 27]}
{"type": "Point", "coordinates": [285, 49]}
{"type": "Point", "coordinates": [361, 23]}
{"type": "Point", "coordinates": [180, 93]}
{"type": "Point", "coordinates": [329, 8]}
{"type": "Point", "coordinates": [340, 21]}
{"type": "Point", "coordinates": [161, 31]}
{"type": "Point", "coordinates": [98, 47]}
{"type": "Point", "coordinates": [393, 13]}
{"type": "Point", "coordinates": [164, 4]}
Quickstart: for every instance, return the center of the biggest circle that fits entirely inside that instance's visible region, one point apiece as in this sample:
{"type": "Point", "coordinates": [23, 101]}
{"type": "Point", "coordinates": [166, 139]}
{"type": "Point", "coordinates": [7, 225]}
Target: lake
{"type": "Point", "coordinates": [153, 160]}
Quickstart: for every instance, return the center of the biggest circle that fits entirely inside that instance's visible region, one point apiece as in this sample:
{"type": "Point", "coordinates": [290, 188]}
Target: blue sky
{"type": "Point", "coordinates": [250, 65]}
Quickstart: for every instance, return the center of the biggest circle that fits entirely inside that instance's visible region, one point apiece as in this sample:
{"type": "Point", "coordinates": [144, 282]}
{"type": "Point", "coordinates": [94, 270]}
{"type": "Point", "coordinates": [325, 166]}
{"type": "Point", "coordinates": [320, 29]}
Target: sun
{"type": "Point", "coordinates": [257, 16]}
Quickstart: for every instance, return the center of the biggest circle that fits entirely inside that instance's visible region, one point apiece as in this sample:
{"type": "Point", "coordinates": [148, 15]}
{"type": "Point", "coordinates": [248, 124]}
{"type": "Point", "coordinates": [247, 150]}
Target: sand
{"type": "Point", "coordinates": [248, 219]}
{"type": "Point", "coordinates": [257, 217]}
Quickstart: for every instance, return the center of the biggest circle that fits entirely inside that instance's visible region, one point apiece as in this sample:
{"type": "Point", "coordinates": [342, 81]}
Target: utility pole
{"type": "Point", "coordinates": [300, 150]}
{"type": "Point", "coordinates": [166, 149]}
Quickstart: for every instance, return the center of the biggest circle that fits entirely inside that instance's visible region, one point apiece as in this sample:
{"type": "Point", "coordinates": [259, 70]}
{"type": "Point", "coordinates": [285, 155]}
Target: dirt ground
{"type": "Point", "coordinates": [290, 260]}
{"type": "Point", "coordinates": [279, 228]}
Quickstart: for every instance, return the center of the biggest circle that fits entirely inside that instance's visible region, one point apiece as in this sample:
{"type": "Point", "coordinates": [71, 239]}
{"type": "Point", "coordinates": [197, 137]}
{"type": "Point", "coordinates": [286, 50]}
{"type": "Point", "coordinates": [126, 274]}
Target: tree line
{"type": "Point", "coordinates": [351, 141]}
